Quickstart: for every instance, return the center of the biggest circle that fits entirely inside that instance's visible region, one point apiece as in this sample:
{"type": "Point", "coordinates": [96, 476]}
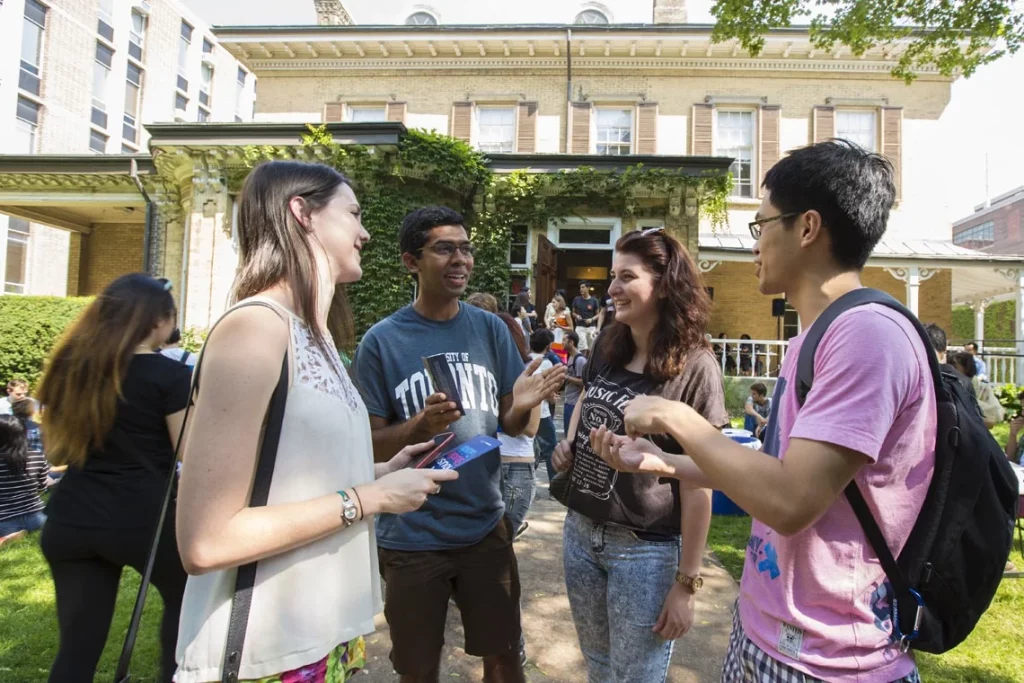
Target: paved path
{"type": "Point", "coordinates": [550, 635]}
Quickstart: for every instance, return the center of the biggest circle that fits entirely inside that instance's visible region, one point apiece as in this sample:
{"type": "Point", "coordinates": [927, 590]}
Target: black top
{"type": "Point", "coordinates": [585, 309]}
{"type": "Point", "coordinates": [122, 484]}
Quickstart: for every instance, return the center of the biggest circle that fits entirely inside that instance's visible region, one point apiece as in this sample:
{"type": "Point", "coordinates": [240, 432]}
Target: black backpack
{"type": "Point", "coordinates": [953, 561]}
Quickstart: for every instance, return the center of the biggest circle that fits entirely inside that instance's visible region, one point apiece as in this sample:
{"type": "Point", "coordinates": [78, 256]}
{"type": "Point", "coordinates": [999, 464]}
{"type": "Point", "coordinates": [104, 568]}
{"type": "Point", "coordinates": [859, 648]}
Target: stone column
{"type": "Point", "coordinates": [210, 261]}
{"type": "Point", "coordinates": [979, 321]}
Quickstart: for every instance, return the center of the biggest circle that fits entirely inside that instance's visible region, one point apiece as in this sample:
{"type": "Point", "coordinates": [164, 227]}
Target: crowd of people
{"type": "Point", "coordinates": [644, 407]}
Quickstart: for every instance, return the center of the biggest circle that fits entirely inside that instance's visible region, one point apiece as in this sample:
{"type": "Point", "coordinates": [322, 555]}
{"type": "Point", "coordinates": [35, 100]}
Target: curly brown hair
{"type": "Point", "coordinates": [684, 307]}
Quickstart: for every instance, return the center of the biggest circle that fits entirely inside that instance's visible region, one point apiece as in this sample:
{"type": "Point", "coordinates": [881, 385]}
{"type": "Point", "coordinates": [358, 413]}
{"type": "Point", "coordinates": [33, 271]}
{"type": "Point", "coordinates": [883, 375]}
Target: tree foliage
{"type": "Point", "coordinates": [952, 36]}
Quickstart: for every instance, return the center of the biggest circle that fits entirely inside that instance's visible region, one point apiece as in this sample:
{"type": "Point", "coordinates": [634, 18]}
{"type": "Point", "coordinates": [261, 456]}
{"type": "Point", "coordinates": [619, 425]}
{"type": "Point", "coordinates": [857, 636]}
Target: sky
{"type": "Point", "coordinates": [984, 121]}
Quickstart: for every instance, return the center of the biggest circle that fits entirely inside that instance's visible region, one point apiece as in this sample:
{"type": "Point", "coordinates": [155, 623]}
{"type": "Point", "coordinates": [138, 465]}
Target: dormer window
{"type": "Point", "coordinates": [592, 17]}
{"type": "Point", "coordinates": [421, 19]}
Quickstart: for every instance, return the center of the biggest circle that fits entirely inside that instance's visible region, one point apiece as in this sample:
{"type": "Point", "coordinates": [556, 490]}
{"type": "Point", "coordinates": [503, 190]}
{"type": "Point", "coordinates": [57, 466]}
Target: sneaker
{"type": "Point", "coordinates": [519, 532]}
{"type": "Point", "coordinates": [523, 661]}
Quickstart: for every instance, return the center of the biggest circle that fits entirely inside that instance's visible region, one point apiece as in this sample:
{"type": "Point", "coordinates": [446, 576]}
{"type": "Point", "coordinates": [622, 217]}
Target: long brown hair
{"type": "Point", "coordinates": [684, 307]}
{"type": "Point", "coordinates": [274, 246]}
{"type": "Point", "coordinates": [82, 380]}
{"type": "Point", "coordinates": [518, 336]}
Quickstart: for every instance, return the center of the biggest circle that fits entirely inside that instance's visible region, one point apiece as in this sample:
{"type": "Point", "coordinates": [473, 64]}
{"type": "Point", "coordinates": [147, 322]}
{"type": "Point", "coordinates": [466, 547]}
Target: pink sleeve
{"type": "Point", "coordinates": [865, 371]}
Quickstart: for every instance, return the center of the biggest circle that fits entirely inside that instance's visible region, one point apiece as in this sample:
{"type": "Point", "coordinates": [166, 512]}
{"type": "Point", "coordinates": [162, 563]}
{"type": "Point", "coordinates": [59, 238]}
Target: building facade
{"type": "Point", "coordinates": [995, 227]}
{"type": "Point", "coordinates": [86, 76]}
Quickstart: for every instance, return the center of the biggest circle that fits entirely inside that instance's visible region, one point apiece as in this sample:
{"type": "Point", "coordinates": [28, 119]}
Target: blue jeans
{"type": "Point", "coordinates": [617, 585]}
{"type": "Point", "coordinates": [544, 443]}
{"type": "Point", "coordinates": [517, 490]}
{"type": "Point", "coordinates": [33, 521]}
{"type": "Point", "coordinates": [567, 411]}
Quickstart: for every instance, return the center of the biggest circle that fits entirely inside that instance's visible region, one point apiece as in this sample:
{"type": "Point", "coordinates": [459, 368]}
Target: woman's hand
{"type": "Point", "coordinates": [402, 491]}
{"type": "Point", "coordinates": [677, 613]}
{"type": "Point", "coordinates": [404, 457]}
{"type": "Point", "coordinates": [627, 455]}
{"type": "Point", "coordinates": [561, 457]}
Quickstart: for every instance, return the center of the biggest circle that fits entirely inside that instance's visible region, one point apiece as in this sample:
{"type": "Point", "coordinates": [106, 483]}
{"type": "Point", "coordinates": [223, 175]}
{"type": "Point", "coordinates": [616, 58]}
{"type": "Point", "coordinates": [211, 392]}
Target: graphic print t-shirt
{"type": "Point", "coordinates": [641, 502]}
{"type": "Point", "coordinates": [388, 368]}
{"type": "Point", "coordinates": [819, 600]}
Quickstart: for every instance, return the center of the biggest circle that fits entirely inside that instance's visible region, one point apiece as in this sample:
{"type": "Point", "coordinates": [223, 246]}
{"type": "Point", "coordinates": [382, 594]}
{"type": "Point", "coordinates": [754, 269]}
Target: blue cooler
{"type": "Point", "coordinates": [721, 504]}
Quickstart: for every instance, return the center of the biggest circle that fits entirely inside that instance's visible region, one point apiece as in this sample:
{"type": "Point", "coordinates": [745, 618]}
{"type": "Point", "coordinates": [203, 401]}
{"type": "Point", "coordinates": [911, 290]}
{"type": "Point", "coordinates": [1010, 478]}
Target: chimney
{"type": "Point", "coordinates": [331, 13]}
{"type": "Point", "coordinates": [669, 11]}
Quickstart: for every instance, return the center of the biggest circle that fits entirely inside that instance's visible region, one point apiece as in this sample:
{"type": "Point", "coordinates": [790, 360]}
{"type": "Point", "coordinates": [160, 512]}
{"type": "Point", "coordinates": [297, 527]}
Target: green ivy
{"type": "Point", "coordinates": [999, 321]}
{"type": "Point", "coordinates": [29, 328]}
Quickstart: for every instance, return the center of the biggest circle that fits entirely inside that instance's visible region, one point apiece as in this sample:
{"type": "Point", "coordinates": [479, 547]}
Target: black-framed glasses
{"type": "Point", "coordinates": [448, 249]}
{"type": "Point", "coordinates": [755, 226]}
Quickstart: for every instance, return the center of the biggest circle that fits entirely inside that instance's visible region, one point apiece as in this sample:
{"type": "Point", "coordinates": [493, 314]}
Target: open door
{"type": "Point", "coordinates": [545, 272]}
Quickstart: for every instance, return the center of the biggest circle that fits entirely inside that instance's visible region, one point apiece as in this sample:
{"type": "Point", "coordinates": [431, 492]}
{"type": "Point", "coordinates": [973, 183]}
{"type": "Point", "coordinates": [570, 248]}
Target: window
{"type": "Point", "coordinates": [240, 92]}
{"type": "Point", "coordinates": [614, 131]}
{"type": "Point", "coordinates": [180, 102]}
{"type": "Point", "coordinates": [202, 116]}
{"type": "Point", "coordinates": [421, 19]}
{"type": "Point", "coordinates": [519, 249]}
{"type": "Point", "coordinates": [32, 46]}
{"type": "Point", "coordinates": [366, 114]}
{"type": "Point", "coordinates": [132, 93]}
{"type": "Point", "coordinates": [26, 125]}
{"type": "Point", "coordinates": [100, 77]}
{"type": "Point", "coordinates": [184, 43]}
{"type": "Point", "coordinates": [105, 25]}
{"type": "Point", "coordinates": [591, 16]}
{"type": "Point", "coordinates": [206, 86]}
{"type": "Point", "coordinates": [97, 141]}
{"type": "Point", "coordinates": [735, 138]}
{"type": "Point", "coordinates": [17, 255]}
{"type": "Point", "coordinates": [207, 47]}
{"type": "Point", "coordinates": [137, 36]}
{"type": "Point", "coordinates": [790, 323]}
{"type": "Point", "coordinates": [978, 236]}
{"type": "Point", "coordinates": [496, 129]}
{"type": "Point", "coordinates": [858, 127]}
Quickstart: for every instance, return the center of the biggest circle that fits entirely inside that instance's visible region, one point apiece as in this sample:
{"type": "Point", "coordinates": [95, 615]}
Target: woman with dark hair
{"type": "Point", "coordinates": [22, 476]}
{"type": "Point", "coordinates": [317, 586]}
{"type": "Point", "coordinates": [633, 543]}
{"type": "Point", "coordinates": [523, 301]}
{"type": "Point", "coordinates": [114, 409]}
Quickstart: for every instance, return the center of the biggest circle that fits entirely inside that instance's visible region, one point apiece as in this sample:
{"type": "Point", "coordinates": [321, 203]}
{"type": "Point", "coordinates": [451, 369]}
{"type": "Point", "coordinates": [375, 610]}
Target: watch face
{"type": "Point", "coordinates": [351, 513]}
{"type": "Point", "coordinates": [698, 582]}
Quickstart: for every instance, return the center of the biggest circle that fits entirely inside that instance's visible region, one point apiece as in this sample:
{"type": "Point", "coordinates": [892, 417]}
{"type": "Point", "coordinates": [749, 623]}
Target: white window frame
{"type": "Point", "coordinates": [612, 224]}
{"type": "Point", "coordinates": [129, 119]}
{"type": "Point", "coordinates": [40, 56]}
{"type": "Point", "coordinates": [425, 12]}
{"type": "Point", "coordinates": [350, 111]}
{"type": "Point", "coordinates": [476, 136]}
{"type": "Point", "coordinates": [240, 90]}
{"type": "Point", "coordinates": [184, 49]}
{"type": "Point", "coordinates": [206, 86]}
{"type": "Point", "coordinates": [135, 37]}
{"type": "Point", "coordinates": [593, 7]}
{"type": "Point", "coordinates": [595, 127]}
{"type": "Point", "coordinates": [872, 113]}
{"type": "Point", "coordinates": [27, 263]}
{"type": "Point", "coordinates": [529, 249]}
{"type": "Point", "coordinates": [21, 124]}
{"type": "Point", "coordinates": [754, 144]}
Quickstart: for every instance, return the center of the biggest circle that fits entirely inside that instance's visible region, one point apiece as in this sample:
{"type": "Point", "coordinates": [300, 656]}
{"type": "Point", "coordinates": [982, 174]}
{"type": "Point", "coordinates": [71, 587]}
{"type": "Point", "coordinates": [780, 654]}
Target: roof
{"type": "Point", "coordinates": [254, 133]}
{"type": "Point", "coordinates": [981, 210]}
{"type": "Point", "coordinates": [73, 164]}
{"type": "Point", "coordinates": [555, 163]}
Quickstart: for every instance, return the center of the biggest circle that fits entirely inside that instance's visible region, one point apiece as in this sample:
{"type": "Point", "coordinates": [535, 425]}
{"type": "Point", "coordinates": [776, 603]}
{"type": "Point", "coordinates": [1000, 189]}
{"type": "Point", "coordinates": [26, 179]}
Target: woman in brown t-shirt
{"type": "Point", "coordinates": [633, 543]}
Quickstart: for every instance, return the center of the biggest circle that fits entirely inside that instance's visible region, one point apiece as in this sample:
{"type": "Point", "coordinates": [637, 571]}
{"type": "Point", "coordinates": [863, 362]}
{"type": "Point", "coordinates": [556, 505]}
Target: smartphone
{"type": "Point", "coordinates": [470, 450]}
{"type": "Point", "coordinates": [440, 441]}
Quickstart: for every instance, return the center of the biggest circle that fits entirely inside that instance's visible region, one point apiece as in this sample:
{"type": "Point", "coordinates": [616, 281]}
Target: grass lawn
{"type": "Point", "coordinates": [28, 620]}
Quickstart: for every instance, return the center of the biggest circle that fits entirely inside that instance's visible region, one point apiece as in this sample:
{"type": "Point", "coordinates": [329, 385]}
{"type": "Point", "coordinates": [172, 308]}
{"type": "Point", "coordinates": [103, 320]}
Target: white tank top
{"type": "Point", "coordinates": [309, 600]}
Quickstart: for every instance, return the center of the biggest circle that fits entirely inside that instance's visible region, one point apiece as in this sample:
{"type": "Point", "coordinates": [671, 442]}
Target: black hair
{"type": "Point", "coordinates": [416, 226]}
{"type": "Point", "coordinates": [560, 291]}
{"type": "Point", "coordinates": [541, 340]}
{"type": "Point", "coordinates": [585, 284]}
{"type": "Point", "coordinates": [175, 337]}
{"type": "Point", "coordinates": [13, 444]}
{"type": "Point", "coordinates": [937, 335]}
{"type": "Point", "coordinates": [571, 334]}
{"type": "Point", "coordinates": [973, 345]}
{"type": "Point", "coordinates": [760, 388]}
{"type": "Point", "coordinates": [853, 190]}
{"type": "Point", "coordinates": [964, 362]}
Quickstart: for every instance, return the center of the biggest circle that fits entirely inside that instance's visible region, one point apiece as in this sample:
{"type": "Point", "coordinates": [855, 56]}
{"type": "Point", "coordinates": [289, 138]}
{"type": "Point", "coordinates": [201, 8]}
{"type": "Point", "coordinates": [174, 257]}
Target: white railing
{"type": "Point", "coordinates": [760, 358]}
{"type": "Point", "coordinates": [1001, 363]}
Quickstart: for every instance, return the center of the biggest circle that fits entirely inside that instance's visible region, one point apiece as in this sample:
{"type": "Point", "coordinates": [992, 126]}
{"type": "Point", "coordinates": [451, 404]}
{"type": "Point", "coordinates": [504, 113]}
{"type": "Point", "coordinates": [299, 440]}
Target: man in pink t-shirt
{"type": "Point", "coordinates": [815, 604]}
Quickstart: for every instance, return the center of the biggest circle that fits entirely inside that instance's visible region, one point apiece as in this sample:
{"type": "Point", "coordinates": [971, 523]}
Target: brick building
{"type": "Point", "coordinates": [627, 80]}
{"type": "Point", "coordinates": [85, 76]}
{"type": "Point", "coordinates": [995, 227]}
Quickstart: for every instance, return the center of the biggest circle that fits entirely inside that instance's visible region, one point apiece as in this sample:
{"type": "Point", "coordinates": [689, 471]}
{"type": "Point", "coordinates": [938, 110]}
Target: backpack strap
{"type": "Point", "coordinates": [184, 357]}
{"type": "Point", "coordinates": [805, 380]}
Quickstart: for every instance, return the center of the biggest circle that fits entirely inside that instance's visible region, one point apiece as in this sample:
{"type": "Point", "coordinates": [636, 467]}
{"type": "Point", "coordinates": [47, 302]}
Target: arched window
{"type": "Point", "coordinates": [591, 16]}
{"type": "Point", "coordinates": [421, 19]}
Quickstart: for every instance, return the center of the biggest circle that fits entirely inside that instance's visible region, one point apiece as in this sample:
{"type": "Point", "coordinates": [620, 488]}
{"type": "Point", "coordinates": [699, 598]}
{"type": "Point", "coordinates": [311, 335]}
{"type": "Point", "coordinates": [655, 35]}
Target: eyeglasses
{"type": "Point", "coordinates": [448, 249]}
{"type": "Point", "coordinates": [755, 226]}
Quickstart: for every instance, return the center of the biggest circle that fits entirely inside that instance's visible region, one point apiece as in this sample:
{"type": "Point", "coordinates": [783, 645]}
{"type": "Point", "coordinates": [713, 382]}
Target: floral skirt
{"type": "Point", "coordinates": [342, 662]}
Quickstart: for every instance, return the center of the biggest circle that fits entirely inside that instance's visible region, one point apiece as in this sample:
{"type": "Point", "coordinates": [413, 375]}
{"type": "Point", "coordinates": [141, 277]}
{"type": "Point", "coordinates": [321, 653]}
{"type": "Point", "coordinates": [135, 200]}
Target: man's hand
{"type": "Point", "coordinates": [561, 457]}
{"type": "Point", "coordinates": [439, 414]}
{"type": "Point", "coordinates": [628, 455]}
{"type": "Point", "coordinates": [531, 390]}
{"type": "Point", "coordinates": [647, 414]}
{"type": "Point", "coordinates": [677, 614]}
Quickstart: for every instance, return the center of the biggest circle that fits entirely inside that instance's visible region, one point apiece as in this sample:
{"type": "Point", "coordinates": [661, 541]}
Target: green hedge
{"type": "Point", "coordinates": [999, 318]}
{"type": "Point", "coordinates": [29, 327]}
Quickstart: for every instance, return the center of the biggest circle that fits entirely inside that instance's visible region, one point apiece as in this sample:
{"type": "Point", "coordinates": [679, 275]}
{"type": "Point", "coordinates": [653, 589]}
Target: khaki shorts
{"type": "Point", "coordinates": [587, 336]}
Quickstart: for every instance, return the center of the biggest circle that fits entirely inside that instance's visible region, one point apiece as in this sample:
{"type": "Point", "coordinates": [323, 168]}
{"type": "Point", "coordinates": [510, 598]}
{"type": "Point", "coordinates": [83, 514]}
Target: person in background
{"type": "Point", "coordinates": [633, 543]}
{"type": "Point", "coordinates": [17, 389]}
{"type": "Point", "coordinates": [584, 315]}
{"type": "Point", "coordinates": [757, 409]}
{"type": "Point", "coordinates": [523, 301]}
{"type": "Point", "coordinates": [575, 365]}
{"type": "Point", "coordinates": [980, 369]}
{"type": "Point", "coordinates": [114, 410]}
{"type": "Point", "coordinates": [547, 436]}
{"type": "Point", "coordinates": [172, 349]}
{"type": "Point", "coordinates": [606, 316]}
{"type": "Point", "coordinates": [938, 338]}
{"type": "Point", "coordinates": [989, 408]}
{"type": "Point", "coordinates": [23, 474]}
{"type": "Point", "coordinates": [485, 301]}
{"type": "Point", "coordinates": [549, 312]}
{"type": "Point", "coordinates": [561, 324]}
{"type": "Point", "coordinates": [1015, 443]}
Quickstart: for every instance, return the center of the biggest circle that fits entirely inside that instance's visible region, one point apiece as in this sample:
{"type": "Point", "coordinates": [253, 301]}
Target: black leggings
{"type": "Point", "coordinates": [86, 564]}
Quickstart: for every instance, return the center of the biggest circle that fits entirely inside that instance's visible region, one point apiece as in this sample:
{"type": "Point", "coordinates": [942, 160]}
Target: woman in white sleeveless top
{"type": "Point", "coordinates": [317, 586]}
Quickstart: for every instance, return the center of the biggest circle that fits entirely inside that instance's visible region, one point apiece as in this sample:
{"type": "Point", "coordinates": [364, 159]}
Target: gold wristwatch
{"type": "Point", "coordinates": [691, 584]}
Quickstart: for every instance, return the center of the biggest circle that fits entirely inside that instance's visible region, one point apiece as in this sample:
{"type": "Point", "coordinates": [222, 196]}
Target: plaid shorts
{"type": "Point", "coordinates": [747, 663]}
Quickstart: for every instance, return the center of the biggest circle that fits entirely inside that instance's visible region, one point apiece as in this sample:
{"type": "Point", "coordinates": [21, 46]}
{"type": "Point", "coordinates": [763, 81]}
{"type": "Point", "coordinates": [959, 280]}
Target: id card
{"type": "Point", "coordinates": [468, 451]}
